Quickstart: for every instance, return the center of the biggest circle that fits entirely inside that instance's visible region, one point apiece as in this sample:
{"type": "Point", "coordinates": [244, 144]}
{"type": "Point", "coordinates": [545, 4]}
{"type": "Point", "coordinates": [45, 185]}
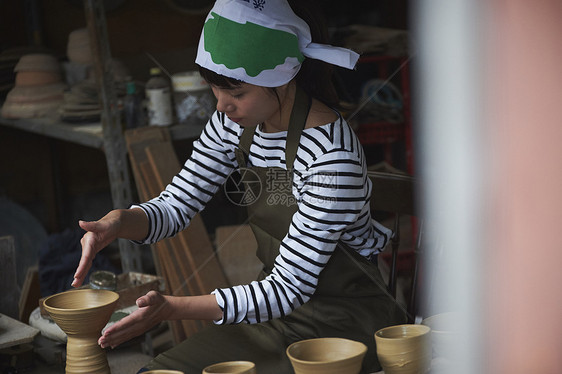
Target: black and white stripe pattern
{"type": "Point", "coordinates": [332, 190]}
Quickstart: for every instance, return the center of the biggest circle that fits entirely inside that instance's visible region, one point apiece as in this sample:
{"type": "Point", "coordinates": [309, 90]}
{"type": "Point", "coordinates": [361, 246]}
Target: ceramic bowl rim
{"type": "Point", "coordinates": [67, 310]}
{"type": "Point", "coordinates": [232, 362]}
{"type": "Point", "coordinates": [363, 351]}
{"type": "Point", "coordinates": [426, 330]}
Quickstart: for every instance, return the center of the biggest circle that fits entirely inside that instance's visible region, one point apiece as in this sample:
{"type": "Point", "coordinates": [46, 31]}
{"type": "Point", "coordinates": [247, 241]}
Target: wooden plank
{"type": "Point", "coordinates": [181, 267]}
{"type": "Point", "coordinates": [137, 140]}
{"type": "Point", "coordinates": [8, 277]}
{"type": "Point", "coordinates": [173, 250]}
{"type": "Point", "coordinates": [168, 252]}
{"type": "Point", "coordinates": [195, 239]}
{"type": "Point", "coordinates": [14, 332]}
{"type": "Point", "coordinates": [30, 294]}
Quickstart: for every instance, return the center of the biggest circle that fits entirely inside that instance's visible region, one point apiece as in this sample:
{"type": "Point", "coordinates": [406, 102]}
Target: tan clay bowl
{"type": "Point", "coordinates": [36, 78]}
{"type": "Point", "coordinates": [327, 356]}
{"type": "Point", "coordinates": [163, 372]}
{"type": "Point", "coordinates": [404, 349]}
{"type": "Point", "coordinates": [37, 62]}
{"type": "Point", "coordinates": [231, 367]}
{"type": "Point", "coordinates": [33, 94]}
{"type": "Point", "coordinates": [444, 333]}
{"type": "Point", "coordinates": [82, 314]}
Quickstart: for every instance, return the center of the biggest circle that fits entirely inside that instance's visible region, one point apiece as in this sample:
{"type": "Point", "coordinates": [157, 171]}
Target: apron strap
{"type": "Point", "coordinates": [243, 149]}
{"type": "Point", "coordinates": [297, 121]}
{"type": "Point", "coordinates": [301, 107]}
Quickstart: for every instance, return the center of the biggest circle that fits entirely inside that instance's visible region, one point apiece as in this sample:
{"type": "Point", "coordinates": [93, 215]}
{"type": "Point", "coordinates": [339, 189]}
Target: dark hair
{"type": "Point", "coordinates": [314, 76]}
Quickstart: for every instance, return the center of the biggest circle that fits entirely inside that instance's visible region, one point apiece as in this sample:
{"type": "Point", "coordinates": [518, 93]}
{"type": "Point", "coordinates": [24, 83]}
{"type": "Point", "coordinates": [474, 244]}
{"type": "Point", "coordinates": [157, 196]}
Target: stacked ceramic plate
{"type": "Point", "coordinates": [38, 90]}
{"type": "Point", "coordinates": [81, 103]}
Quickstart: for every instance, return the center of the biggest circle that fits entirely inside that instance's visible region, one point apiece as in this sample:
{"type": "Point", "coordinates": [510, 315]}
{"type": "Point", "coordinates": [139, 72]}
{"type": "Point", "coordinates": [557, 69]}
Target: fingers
{"type": "Point", "coordinates": [91, 244]}
{"type": "Point", "coordinates": [151, 298]}
{"type": "Point", "coordinates": [126, 329]}
{"type": "Point", "coordinates": [136, 323]}
{"type": "Point", "coordinates": [151, 312]}
{"type": "Point", "coordinates": [88, 254]}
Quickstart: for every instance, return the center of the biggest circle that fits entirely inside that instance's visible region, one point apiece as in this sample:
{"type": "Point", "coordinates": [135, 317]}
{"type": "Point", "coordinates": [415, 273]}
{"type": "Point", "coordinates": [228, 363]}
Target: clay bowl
{"type": "Point", "coordinates": [37, 78]}
{"type": "Point", "coordinates": [163, 372]}
{"type": "Point", "coordinates": [82, 314]}
{"type": "Point", "coordinates": [33, 94]}
{"type": "Point", "coordinates": [327, 356]}
{"type": "Point", "coordinates": [404, 349]}
{"type": "Point", "coordinates": [231, 367]}
{"type": "Point", "coordinates": [444, 333]}
{"type": "Point", "coordinates": [37, 62]}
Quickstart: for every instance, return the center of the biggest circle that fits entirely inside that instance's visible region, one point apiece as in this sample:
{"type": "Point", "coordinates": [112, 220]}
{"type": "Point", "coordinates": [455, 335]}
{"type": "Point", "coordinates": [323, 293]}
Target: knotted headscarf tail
{"type": "Point", "coordinates": [261, 42]}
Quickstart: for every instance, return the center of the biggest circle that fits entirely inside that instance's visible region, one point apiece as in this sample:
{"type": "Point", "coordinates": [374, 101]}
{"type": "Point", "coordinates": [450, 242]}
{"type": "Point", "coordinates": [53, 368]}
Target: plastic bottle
{"type": "Point", "coordinates": [159, 99]}
{"type": "Point", "coordinates": [133, 110]}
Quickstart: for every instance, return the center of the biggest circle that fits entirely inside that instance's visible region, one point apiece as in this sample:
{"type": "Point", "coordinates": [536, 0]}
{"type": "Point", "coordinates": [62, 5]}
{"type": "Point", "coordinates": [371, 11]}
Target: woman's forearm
{"type": "Point", "coordinates": [202, 307]}
{"type": "Point", "coordinates": [133, 224]}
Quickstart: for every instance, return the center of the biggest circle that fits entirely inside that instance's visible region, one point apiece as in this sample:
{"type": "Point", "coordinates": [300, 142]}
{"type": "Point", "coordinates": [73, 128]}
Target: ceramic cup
{"type": "Point", "coordinates": [404, 349]}
{"type": "Point", "coordinates": [327, 356]}
{"type": "Point", "coordinates": [231, 367]}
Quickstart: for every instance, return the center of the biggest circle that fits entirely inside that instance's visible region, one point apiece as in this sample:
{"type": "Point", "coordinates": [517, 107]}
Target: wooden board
{"type": "Point", "coordinates": [8, 277]}
{"type": "Point", "coordinates": [30, 294]}
{"type": "Point", "coordinates": [187, 261]}
{"type": "Point", "coordinates": [14, 332]}
{"type": "Point", "coordinates": [195, 239]}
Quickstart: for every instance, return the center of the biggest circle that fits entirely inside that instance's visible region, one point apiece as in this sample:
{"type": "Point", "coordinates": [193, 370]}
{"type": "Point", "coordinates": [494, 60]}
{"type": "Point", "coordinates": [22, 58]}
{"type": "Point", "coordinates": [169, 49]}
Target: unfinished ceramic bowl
{"type": "Point", "coordinates": [231, 367]}
{"type": "Point", "coordinates": [444, 333]}
{"type": "Point", "coordinates": [33, 94]}
{"type": "Point", "coordinates": [82, 314]}
{"type": "Point", "coordinates": [37, 62]}
{"type": "Point", "coordinates": [163, 372]}
{"type": "Point", "coordinates": [404, 349]}
{"type": "Point", "coordinates": [327, 356]}
{"type": "Point", "coordinates": [37, 78]}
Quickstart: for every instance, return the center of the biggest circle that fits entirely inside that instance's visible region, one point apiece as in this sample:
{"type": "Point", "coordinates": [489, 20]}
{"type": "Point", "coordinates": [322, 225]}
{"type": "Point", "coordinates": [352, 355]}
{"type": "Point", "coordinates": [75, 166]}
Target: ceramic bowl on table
{"type": "Point", "coordinates": [231, 367]}
{"type": "Point", "coordinates": [327, 356]}
{"type": "Point", "coordinates": [404, 349]}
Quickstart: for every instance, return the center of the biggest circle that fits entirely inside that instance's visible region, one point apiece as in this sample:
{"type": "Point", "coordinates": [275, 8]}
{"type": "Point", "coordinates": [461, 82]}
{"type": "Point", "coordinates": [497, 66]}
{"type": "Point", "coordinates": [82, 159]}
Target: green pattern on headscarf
{"type": "Point", "coordinates": [250, 46]}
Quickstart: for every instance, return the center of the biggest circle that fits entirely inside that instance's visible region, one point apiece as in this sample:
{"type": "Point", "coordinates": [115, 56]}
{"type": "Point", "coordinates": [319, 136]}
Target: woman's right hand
{"type": "Point", "coordinates": [98, 235]}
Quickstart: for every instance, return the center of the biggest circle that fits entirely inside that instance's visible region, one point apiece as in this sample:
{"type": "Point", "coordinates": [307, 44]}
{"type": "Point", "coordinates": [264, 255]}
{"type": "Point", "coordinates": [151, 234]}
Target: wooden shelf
{"type": "Point", "coordinates": [89, 135]}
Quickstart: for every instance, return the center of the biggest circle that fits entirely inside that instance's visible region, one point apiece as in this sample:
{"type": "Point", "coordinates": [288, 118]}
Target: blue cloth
{"type": "Point", "coordinates": [58, 259]}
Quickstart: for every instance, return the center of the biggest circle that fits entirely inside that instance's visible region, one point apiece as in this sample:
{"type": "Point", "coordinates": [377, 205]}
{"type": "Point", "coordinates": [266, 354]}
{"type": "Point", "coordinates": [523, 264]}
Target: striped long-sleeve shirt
{"type": "Point", "coordinates": [331, 188]}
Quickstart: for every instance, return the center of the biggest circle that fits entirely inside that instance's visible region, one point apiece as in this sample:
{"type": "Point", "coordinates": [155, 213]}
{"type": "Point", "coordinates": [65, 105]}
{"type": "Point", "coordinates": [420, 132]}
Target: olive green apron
{"type": "Point", "coordinates": [350, 301]}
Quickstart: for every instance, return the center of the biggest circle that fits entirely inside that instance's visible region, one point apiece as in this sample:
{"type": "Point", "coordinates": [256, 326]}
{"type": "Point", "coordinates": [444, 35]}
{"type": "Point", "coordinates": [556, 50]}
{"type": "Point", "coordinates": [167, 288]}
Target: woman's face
{"type": "Point", "coordinates": [249, 105]}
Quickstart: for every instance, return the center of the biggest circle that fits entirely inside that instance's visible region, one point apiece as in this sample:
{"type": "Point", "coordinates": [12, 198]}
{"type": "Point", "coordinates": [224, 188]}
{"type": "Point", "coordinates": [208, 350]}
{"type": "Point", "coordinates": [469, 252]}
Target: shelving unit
{"type": "Point", "coordinates": [106, 135]}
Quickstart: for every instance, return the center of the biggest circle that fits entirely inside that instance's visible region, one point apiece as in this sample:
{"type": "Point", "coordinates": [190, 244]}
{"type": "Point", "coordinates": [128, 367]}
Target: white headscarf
{"type": "Point", "coordinates": [261, 42]}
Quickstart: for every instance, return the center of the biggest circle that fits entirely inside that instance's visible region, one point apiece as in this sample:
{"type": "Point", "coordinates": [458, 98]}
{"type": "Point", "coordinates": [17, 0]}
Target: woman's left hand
{"type": "Point", "coordinates": [153, 309]}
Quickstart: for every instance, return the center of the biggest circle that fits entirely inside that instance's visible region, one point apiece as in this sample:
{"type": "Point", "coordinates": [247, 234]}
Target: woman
{"type": "Point", "coordinates": [307, 173]}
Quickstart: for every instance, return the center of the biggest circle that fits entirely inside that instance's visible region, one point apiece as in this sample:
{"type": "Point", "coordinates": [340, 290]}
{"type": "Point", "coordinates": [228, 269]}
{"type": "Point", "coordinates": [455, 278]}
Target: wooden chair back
{"type": "Point", "coordinates": [394, 194]}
